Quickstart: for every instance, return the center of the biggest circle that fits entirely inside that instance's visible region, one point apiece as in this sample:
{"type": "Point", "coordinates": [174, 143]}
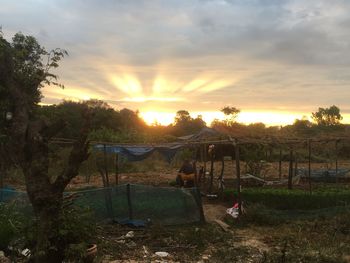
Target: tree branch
{"type": "Point", "coordinates": [78, 154]}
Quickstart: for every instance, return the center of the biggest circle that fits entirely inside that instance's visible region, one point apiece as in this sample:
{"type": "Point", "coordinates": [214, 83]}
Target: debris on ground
{"type": "Point", "coordinates": [162, 254]}
{"type": "Point", "coordinates": [222, 224]}
{"type": "Point", "coordinates": [3, 258]}
{"type": "Point", "coordinates": [130, 234]}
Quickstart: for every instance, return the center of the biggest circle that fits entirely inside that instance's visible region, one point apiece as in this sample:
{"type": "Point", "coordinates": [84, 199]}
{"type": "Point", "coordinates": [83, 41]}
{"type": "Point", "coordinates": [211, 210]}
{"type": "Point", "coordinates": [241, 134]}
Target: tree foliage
{"type": "Point", "coordinates": [327, 116]}
{"type": "Point", "coordinates": [231, 114]}
{"type": "Point", "coordinates": [25, 69]}
{"type": "Point", "coordinates": [184, 124]}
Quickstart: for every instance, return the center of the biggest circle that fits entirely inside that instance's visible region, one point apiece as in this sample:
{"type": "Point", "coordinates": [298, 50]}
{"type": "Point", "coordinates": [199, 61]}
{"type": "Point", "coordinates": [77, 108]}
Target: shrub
{"type": "Point", "coordinates": [293, 199]}
{"type": "Point", "coordinates": [11, 223]}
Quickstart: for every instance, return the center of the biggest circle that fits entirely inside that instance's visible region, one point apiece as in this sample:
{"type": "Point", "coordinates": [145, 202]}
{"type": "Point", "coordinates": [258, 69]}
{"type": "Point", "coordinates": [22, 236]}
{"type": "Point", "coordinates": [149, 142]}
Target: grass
{"type": "Point", "coordinates": [284, 199]}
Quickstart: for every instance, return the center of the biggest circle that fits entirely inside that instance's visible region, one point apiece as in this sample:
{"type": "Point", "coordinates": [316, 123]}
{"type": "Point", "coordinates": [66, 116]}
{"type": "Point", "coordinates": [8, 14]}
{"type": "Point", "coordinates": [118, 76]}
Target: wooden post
{"type": "Point", "coordinates": [309, 167]}
{"type": "Point", "coordinates": [296, 164]}
{"type": "Point", "coordinates": [238, 174]}
{"type": "Point", "coordinates": [116, 169]}
{"type": "Point", "coordinates": [196, 183]}
{"type": "Point", "coordinates": [211, 171]}
{"type": "Point", "coordinates": [222, 170]}
{"type": "Point", "coordinates": [336, 161]}
{"type": "Point", "coordinates": [105, 164]}
{"type": "Point", "coordinates": [280, 165]}
{"type": "Point", "coordinates": [205, 162]}
{"type": "Point", "coordinates": [128, 195]}
{"type": "Point", "coordinates": [197, 196]}
{"type": "Point", "coordinates": [290, 175]}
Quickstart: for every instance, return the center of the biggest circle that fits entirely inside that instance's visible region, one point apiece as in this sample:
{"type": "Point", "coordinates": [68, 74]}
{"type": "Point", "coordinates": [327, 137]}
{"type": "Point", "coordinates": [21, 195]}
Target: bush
{"type": "Point", "coordinates": [77, 231]}
{"type": "Point", "coordinates": [11, 223]}
{"type": "Point", "coordinates": [293, 199]}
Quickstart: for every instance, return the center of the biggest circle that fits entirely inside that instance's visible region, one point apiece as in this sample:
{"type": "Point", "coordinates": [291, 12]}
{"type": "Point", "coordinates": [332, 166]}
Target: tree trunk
{"type": "Point", "coordinates": [48, 247]}
{"type": "Point", "coordinates": [47, 206]}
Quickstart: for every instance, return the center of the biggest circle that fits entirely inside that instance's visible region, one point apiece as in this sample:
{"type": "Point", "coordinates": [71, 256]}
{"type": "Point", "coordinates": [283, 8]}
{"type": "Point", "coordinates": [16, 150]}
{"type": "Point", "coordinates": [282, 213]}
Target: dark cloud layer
{"type": "Point", "coordinates": [254, 54]}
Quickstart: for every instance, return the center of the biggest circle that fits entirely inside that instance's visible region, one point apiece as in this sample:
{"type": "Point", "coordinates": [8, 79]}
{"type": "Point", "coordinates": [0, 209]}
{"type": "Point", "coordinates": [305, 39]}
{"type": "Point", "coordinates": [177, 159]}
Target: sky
{"type": "Point", "coordinates": [276, 60]}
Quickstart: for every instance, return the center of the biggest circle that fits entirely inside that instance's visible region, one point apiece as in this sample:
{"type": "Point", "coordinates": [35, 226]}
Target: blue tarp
{"type": "Point", "coordinates": [139, 153]}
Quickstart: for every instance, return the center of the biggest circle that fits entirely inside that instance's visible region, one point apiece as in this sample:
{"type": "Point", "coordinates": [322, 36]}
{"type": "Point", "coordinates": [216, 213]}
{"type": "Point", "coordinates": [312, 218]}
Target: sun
{"type": "Point", "coordinates": [155, 117]}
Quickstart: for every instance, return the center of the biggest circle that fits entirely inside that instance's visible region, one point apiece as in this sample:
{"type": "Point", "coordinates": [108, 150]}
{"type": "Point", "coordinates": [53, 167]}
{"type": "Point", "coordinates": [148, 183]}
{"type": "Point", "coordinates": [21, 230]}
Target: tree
{"type": "Point", "coordinates": [327, 116]}
{"type": "Point", "coordinates": [182, 116]}
{"type": "Point", "coordinates": [231, 114]}
{"type": "Point", "coordinates": [302, 126]}
{"type": "Point", "coordinates": [25, 67]}
{"type": "Point", "coordinates": [184, 124]}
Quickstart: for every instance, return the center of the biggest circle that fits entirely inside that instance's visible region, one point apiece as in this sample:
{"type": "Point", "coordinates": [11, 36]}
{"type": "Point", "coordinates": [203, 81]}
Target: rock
{"type": "Point", "coordinates": [205, 257]}
{"type": "Point", "coordinates": [25, 252]}
{"type": "Point", "coordinates": [130, 234]}
{"type": "Point", "coordinates": [131, 244]}
{"type": "Point", "coordinates": [162, 254]}
{"type": "Point", "coordinates": [4, 259]}
{"type": "Point", "coordinates": [145, 250]}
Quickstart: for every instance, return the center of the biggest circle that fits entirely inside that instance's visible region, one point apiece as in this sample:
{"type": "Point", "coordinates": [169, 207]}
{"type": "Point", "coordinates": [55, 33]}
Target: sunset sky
{"type": "Point", "coordinates": [275, 60]}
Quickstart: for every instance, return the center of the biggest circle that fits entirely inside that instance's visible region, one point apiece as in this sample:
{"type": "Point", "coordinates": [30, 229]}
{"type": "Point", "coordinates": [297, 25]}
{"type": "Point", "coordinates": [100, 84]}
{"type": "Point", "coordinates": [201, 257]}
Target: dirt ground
{"type": "Point", "coordinates": [191, 243]}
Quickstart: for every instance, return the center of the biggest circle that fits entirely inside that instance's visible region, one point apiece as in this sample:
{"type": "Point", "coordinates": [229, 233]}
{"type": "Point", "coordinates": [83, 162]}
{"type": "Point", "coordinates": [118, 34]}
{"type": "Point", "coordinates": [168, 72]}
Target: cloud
{"type": "Point", "coordinates": [269, 54]}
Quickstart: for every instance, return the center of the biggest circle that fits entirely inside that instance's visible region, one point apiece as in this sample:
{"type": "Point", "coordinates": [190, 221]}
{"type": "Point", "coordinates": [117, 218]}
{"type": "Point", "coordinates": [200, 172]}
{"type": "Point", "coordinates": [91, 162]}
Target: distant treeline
{"type": "Point", "coordinates": [126, 125]}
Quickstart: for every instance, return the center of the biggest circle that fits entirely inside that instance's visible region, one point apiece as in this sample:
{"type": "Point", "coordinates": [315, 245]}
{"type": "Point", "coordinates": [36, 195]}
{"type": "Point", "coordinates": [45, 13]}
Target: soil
{"type": "Point", "coordinates": [206, 243]}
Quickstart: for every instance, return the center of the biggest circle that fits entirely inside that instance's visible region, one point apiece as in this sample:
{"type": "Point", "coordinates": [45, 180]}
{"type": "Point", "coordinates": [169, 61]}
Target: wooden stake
{"type": "Point", "coordinates": [222, 171]}
{"type": "Point", "coordinates": [336, 160]}
{"type": "Point", "coordinates": [211, 171]}
{"type": "Point", "coordinates": [290, 175]}
{"type": "Point", "coordinates": [128, 195]}
{"type": "Point", "coordinates": [309, 167]}
{"type": "Point", "coordinates": [238, 174]}
{"type": "Point", "coordinates": [105, 164]}
{"type": "Point", "coordinates": [280, 165]}
{"type": "Point", "coordinates": [116, 169]}
{"type": "Point", "coordinates": [296, 164]}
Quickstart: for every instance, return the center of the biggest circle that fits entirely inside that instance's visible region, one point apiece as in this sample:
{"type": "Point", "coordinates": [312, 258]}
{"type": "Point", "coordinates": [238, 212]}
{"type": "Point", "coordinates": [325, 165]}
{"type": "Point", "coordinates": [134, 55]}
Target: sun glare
{"type": "Point", "coordinates": [154, 117]}
{"type": "Point", "coordinates": [268, 118]}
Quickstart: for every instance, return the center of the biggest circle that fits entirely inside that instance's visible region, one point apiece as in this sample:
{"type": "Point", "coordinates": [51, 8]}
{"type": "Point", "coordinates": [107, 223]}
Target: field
{"type": "Point", "coordinates": [278, 225]}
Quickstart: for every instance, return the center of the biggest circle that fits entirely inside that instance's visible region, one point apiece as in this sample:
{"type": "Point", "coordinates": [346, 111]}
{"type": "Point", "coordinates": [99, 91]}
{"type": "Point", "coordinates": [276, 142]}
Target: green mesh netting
{"type": "Point", "coordinates": [159, 205]}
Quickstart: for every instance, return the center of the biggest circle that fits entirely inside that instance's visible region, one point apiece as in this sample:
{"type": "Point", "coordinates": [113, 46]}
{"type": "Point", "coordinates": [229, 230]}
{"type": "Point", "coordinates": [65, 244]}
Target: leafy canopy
{"type": "Point", "coordinates": [327, 116]}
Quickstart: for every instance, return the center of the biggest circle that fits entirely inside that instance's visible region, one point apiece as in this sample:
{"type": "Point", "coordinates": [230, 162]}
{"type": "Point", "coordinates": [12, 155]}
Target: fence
{"type": "Point", "coordinates": [158, 205]}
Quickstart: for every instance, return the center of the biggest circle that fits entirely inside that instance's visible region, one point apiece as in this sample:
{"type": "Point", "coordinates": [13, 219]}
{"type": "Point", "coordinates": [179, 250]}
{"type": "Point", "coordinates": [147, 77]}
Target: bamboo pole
{"type": "Point", "coordinates": [309, 164]}
{"type": "Point", "coordinates": [211, 171]}
{"type": "Point", "coordinates": [238, 175]}
{"type": "Point", "coordinates": [222, 171]}
{"type": "Point", "coordinates": [205, 160]}
{"type": "Point", "coordinates": [290, 175]}
{"type": "Point", "coordinates": [105, 164]}
{"type": "Point", "coordinates": [280, 165]}
{"type": "Point", "coordinates": [296, 164]}
{"type": "Point", "coordinates": [336, 161]}
{"type": "Point", "coordinates": [128, 196]}
{"type": "Point", "coordinates": [116, 169]}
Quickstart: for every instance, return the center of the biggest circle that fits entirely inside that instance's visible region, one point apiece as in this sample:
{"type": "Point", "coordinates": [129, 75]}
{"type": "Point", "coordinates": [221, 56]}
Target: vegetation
{"type": "Point", "coordinates": [26, 68]}
{"type": "Point", "coordinates": [323, 197]}
{"type": "Point", "coordinates": [59, 232]}
{"type": "Point", "coordinates": [327, 116]}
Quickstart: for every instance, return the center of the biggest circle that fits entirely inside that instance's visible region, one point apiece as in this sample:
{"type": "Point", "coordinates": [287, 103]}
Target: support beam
{"type": "Point", "coordinates": [128, 196]}
{"type": "Point", "coordinates": [280, 165]}
{"type": "Point", "coordinates": [336, 160]}
{"type": "Point", "coordinates": [309, 164]}
{"type": "Point", "coordinates": [116, 169]}
{"type": "Point", "coordinates": [290, 174]}
{"type": "Point", "coordinates": [212, 155]}
{"type": "Point", "coordinates": [105, 164]}
{"type": "Point", "coordinates": [238, 175]}
{"type": "Point", "coordinates": [222, 171]}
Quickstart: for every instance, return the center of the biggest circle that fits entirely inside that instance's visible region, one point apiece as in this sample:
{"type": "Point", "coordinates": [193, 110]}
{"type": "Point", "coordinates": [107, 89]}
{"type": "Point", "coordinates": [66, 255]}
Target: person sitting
{"type": "Point", "coordinates": [186, 175]}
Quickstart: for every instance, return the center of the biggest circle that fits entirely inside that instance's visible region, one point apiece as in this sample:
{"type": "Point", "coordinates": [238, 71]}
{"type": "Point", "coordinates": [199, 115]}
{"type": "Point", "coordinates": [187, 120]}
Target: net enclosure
{"type": "Point", "coordinates": [130, 202]}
